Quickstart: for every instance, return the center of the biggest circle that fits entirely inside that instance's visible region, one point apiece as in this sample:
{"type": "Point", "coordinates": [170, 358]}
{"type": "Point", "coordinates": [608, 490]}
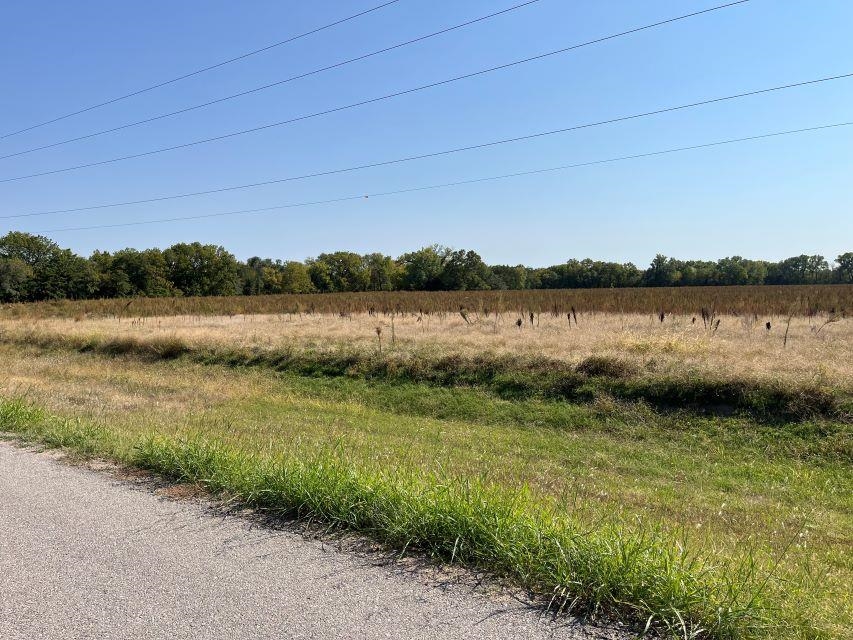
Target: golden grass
{"type": "Point", "coordinates": [815, 353]}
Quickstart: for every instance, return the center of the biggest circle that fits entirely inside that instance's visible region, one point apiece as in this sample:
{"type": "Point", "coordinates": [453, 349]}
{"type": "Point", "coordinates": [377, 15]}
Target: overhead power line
{"type": "Point", "coordinates": [434, 154]}
{"type": "Point", "coordinates": [455, 184]}
{"type": "Point", "coordinates": [270, 85]}
{"type": "Point", "coordinates": [362, 103]}
{"type": "Point", "coordinates": [202, 70]}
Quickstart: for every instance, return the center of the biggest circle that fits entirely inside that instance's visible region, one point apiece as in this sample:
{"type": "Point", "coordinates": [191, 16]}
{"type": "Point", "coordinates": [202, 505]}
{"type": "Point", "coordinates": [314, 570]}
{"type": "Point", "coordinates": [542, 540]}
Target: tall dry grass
{"type": "Point", "coordinates": [741, 300]}
{"type": "Point", "coordinates": [816, 352]}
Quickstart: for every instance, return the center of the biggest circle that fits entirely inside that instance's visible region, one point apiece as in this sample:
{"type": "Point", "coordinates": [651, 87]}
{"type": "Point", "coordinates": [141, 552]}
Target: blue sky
{"type": "Point", "coordinates": [768, 199]}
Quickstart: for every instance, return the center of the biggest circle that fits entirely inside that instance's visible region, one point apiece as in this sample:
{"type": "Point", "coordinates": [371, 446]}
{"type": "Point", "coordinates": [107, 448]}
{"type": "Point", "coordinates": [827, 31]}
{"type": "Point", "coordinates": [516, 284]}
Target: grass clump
{"type": "Point", "coordinates": [158, 348]}
{"type": "Point", "coordinates": [771, 400]}
{"type": "Point", "coordinates": [19, 417]}
{"type": "Point", "coordinates": [607, 367]}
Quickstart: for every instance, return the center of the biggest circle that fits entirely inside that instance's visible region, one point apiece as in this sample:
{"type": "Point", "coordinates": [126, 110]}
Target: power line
{"type": "Point", "coordinates": [435, 154]}
{"type": "Point", "coordinates": [506, 176]}
{"type": "Point", "coordinates": [363, 102]}
{"type": "Point", "coordinates": [337, 65]}
{"type": "Point", "coordinates": [202, 70]}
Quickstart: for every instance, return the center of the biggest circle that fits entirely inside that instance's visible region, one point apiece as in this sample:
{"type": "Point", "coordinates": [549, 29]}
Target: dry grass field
{"type": "Point", "coordinates": [815, 350]}
{"type": "Point", "coordinates": [435, 432]}
{"type": "Point", "coordinates": [770, 300]}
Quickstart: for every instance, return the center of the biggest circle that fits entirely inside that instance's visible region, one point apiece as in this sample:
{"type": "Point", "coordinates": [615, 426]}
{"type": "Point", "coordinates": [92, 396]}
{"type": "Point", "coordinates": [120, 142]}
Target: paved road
{"type": "Point", "coordinates": [85, 555]}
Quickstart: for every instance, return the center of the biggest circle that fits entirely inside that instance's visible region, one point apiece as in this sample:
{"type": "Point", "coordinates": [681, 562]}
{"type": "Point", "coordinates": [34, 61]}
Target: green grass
{"type": "Point", "coordinates": [810, 440]}
{"type": "Point", "coordinates": [631, 511]}
{"type": "Point", "coordinates": [641, 577]}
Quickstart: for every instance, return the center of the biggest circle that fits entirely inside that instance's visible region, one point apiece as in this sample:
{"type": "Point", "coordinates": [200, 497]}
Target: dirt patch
{"type": "Point", "coordinates": [182, 491]}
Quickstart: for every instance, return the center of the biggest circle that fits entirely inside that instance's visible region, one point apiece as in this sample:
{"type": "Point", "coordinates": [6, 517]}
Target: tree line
{"type": "Point", "coordinates": [36, 268]}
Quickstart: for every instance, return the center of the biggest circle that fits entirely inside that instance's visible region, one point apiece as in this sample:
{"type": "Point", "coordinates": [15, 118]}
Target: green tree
{"type": "Point", "coordinates": [737, 270]}
{"type": "Point", "coordinates": [613, 274]}
{"type": "Point", "coordinates": [339, 271]}
{"type": "Point", "coordinates": [113, 282]}
{"type": "Point", "coordinates": [346, 271]}
{"type": "Point", "coordinates": [201, 270]}
{"type": "Point", "coordinates": [844, 271]}
{"type": "Point", "coordinates": [252, 276]}
{"type": "Point", "coordinates": [802, 269]}
{"type": "Point", "coordinates": [663, 272]}
{"type": "Point", "coordinates": [382, 272]}
{"type": "Point", "coordinates": [146, 271]}
{"type": "Point", "coordinates": [65, 275]}
{"type": "Point", "coordinates": [270, 280]}
{"type": "Point", "coordinates": [14, 277]}
{"type": "Point", "coordinates": [56, 273]}
{"type": "Point", "coordinates": [295, 278]}
{"type": "Point", "coordinates": [696, 273]}
{"type": "Point", "coordinates": [464, 271]}
{"type": "Point", "coordinates": [547, 278]}
{"type": "Point", "coordinates": [506, 277]}
{"type": "Point", "coordinates": [321, 275]}
{"type": "Point", "coordinates": [421, 270]}
{"type": "Point", "coordinates": [28, 248]}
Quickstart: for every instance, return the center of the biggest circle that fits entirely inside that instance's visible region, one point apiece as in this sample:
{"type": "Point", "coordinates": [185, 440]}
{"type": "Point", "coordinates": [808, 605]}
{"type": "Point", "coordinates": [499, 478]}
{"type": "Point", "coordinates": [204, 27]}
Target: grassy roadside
{"type": "Point", "coordinates": [640, 576]}
{"type": "Point", "coordinates": [508, 377]}
{"type": "Point", "coordinates": [733, 495]}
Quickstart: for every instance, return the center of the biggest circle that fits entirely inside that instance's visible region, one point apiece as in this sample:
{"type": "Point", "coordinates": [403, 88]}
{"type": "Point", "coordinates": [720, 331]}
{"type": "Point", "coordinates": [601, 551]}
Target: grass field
{"type": "Point", "coordinates": [741, 300]}
{"type": "Point", "coordinates": [797, 351]}
{"type": "Point", "coordinates": [694, 477]}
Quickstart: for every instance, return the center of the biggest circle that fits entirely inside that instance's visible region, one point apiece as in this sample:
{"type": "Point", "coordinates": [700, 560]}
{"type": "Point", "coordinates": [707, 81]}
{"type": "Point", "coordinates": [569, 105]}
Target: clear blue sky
{"type": "Point", "coordinates": [768, 199]}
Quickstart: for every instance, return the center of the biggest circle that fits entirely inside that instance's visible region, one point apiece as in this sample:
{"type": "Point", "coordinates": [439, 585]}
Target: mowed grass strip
{"type": "Point", "coordinates": [641, 577]}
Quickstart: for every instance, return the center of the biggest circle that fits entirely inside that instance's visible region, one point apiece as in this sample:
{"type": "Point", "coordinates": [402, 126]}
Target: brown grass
{"type": "Point", "coordinates": [741, 348]}
{"type": "Point", "coordinates": [770, 300]}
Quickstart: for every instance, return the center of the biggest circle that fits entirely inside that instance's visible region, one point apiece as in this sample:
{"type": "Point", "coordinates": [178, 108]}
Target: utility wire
{"type": "Point", "coordinates": [364, 102]}
{"type": "Point", "coordinates": [272, 84]}
{"type": "Point", "coordinates": [434, 154]}
{"type": "Point", "coordinates": [202, 70]}
{"type": "Point", "coordinates": [458, 183]}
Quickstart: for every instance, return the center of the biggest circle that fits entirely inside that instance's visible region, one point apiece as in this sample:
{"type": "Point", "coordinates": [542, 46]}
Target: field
{"type": "Point", "coordinates": [692, 472]}
{"type": "Point", "coordinates": [744, 300]}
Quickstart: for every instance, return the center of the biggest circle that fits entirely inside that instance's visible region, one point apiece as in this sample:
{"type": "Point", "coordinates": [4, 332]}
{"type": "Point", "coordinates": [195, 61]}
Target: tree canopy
{"type": "Point", "coordinates": [36, 268]}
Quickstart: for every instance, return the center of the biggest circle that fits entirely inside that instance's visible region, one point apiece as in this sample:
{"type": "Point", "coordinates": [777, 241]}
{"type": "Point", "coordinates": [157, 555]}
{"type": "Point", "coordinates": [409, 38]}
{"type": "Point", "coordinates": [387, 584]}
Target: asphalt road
{"type": "Point", "coordinates": [84, 554]}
